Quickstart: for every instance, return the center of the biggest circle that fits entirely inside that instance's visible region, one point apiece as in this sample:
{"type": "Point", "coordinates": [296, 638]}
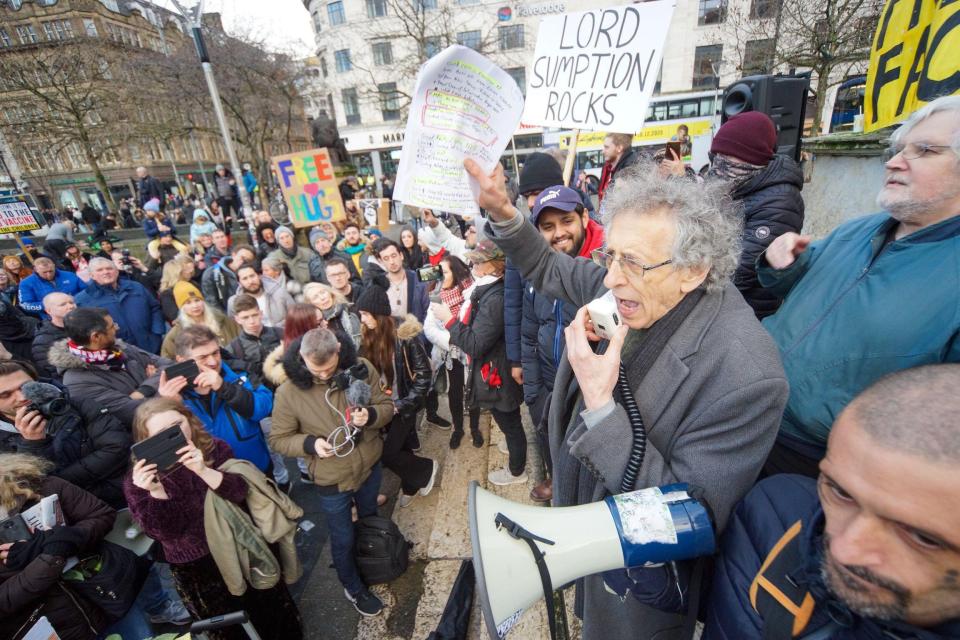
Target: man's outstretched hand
{"type": "Point", "coordinates": [493, 191]}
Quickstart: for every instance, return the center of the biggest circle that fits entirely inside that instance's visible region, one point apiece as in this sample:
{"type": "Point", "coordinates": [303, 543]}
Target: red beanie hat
{"type": "Point", "coordinates": [750, 136]}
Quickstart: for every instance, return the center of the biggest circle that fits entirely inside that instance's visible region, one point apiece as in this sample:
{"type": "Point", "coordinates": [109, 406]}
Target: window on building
{"type": "Point", "coordinates": [382, 53]}
{"type": "Point", "coordinates": [317, 22]}
{"type": "Point", "coordinates": [342, 61]}
{"type": "Point", "coordinates": [58, 29]}
{"type": "Point", "coordinates": [427, 5]}
{"type": "Point", "coordinates": [90, 28]}
{"type": "Point", "coordinates": [389, 100]}
{"type": "Point", "coordinates": [330, 110]}
{"type": "Point", "coordinates": [758, 57]}
{"type": "Point", "coordinates": [323, 66]}
{"type": "Point", "coordinates": [469, 39]}
{"type": "Point", "coordinates": [467, 2]}
{"type": "Point", "coordinates": [5, 40]}
{"type": "Point", "coordinates": [519, 75]}
{"type": "Point", "coordinates": [351, 105]}
{"type": "Point", "coordinates": [376, 8]}
{"type": "Point", "coordinates": [706, 65]}
{"type": "Point", "coordinates": [28, 34]}
{"type": "Point", "coordinates": [762, 9]}
{"type": "Point", "coordinates": [712, 11]}
{"type": "Point", "coordinates": [432, 46]}
{"type": "Point", "coordinates": [335, 13]}
{"type": "Point", "coordinates": [511, 37]}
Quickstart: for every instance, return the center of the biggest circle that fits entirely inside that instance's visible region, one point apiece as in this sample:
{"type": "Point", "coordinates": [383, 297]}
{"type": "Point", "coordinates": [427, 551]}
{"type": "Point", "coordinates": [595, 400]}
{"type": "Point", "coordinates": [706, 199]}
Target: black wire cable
{"type": "Point", "coordinates": [639, 446]}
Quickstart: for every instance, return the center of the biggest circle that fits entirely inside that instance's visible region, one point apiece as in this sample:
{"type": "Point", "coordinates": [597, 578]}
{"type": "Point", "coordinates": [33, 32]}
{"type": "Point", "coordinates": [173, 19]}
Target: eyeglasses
{"type": "Point", "coordinates": [913, 150]}
{"type": "Point", "coordinates": [631, 266]}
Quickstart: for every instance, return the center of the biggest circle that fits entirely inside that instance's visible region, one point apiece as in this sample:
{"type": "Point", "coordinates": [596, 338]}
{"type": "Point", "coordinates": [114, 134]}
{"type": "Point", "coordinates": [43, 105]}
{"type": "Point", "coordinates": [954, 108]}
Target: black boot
{"type": "Point", "coordinates": [477, 438]}
{"type": "Point", "coordinates": [455, 438]}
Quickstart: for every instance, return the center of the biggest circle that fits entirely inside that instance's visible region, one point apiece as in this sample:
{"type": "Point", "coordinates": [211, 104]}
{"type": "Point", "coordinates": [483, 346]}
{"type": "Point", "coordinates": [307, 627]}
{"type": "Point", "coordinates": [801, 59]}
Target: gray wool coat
{"type": "Point", "coordinates": [711, 404]}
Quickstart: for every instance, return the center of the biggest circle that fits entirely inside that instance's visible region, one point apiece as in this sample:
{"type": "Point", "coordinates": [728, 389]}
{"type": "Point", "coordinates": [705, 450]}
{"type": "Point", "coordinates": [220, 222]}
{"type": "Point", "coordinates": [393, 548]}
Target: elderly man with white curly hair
{"type": "Point", "coordinates": [705, 375]}
{"type": "Point", "coordinates": [877, 295]}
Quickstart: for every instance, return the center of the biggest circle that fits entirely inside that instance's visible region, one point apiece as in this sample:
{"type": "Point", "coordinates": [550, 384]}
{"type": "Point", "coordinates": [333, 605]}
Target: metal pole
{"type": "Point", "coordinates": [198, 156]}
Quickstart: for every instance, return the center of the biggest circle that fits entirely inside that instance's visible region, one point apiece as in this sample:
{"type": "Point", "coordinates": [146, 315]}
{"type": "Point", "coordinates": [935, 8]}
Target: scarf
{"type": "Point", "coordinates": [453, 297]}
{"type": "Point", "coordinates": [353, 250]}
{"type": "Point", "coordinates": [464, 315]}
{"type": "Point", "coordinates": [290, 253]}
{"type": "Point", "coordinates": [113, 358]}
{"type": "Point", "coordinates": [733, 170]}
{"type": "Point", "coordinates": [592, 239]}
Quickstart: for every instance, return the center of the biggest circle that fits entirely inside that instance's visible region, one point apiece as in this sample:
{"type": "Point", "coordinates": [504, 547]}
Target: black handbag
{"type": "Point", "coordinates": [110, 579]}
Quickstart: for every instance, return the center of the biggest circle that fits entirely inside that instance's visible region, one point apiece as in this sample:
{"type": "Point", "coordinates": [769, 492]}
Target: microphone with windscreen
{"type": "Point", "coordinates": [47, 399]}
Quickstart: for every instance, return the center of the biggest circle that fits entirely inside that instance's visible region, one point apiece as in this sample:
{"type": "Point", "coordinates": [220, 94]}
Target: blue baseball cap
{"type": "Point", "coordinates": [558, 197]}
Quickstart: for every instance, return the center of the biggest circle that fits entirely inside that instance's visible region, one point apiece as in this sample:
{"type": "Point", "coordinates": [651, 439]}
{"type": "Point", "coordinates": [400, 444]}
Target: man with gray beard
{"type": "Point", "coordinates": [877, 295]}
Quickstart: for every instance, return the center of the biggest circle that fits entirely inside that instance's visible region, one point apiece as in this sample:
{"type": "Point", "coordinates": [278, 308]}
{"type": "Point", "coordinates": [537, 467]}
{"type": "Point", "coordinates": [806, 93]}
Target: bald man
{"type": "Point", "coordinates": [871, 549]}
{"type": "Point", "coordinates": [56, 305]}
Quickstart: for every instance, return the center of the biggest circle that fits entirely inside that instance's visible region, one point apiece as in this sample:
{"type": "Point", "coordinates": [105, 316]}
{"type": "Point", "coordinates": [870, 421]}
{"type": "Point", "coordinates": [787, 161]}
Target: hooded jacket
{"type": "Point", "coordinates": [132, 307]}
{"type": "Point", "coordinates": [47, 334]}
{"type": "Point", "coordinates": [301, 414]}
{"type": "Point", "coordinates": [299, 262]}
{"type": "Point", "coordinates": [107, 387]}
{"type": "Point", "coordinates": [34, 288]}
{"type": "Point", "coordinates": [411, 367]}
{"type": "Point", "coordinates": [772, 206]}
{"type": "Point", "coordinates": [277, 301]}
{"type": "Point", "coordinates": [759, 522]}
{"type": "Point", "coordinates": [198, 228]}
{"type": "Point", "coordinates": [253, 351]}
{"type": "Point", "coordinates": [218, 283]}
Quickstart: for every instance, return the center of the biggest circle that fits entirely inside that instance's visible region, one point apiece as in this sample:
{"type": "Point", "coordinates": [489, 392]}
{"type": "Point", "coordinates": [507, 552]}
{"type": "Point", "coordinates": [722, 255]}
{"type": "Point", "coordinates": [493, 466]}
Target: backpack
{"type": "Point", "coordinates": [382, 553]}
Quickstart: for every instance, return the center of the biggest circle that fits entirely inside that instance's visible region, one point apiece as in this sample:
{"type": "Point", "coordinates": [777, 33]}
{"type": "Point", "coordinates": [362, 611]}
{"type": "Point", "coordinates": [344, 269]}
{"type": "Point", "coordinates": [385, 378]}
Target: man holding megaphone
{"type": "Point", "coordinates": [688, 389]}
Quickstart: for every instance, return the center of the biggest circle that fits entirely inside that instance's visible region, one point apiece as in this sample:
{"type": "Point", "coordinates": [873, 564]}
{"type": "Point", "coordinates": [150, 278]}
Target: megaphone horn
{"type": "Point", "coordinates": [659, 524]}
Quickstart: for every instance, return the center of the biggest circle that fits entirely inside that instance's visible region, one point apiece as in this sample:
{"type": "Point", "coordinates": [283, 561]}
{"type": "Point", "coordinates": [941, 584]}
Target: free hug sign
{"type": "Point", "coordinates": [309, 187]}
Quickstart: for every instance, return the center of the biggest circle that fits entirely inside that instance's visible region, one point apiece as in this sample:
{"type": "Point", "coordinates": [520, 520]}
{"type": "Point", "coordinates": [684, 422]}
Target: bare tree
{"type": "Point", "coordinates": [829, 37]}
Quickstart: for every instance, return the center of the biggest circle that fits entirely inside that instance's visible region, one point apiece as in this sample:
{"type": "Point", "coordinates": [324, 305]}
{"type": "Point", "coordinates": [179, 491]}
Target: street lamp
{"type": "Point", "coordinates": [193, 18]}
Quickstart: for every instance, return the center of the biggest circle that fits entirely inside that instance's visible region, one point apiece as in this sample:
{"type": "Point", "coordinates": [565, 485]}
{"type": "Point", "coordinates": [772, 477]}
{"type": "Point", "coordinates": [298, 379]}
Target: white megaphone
{"type": "Point", "coordinates": [660, 524]}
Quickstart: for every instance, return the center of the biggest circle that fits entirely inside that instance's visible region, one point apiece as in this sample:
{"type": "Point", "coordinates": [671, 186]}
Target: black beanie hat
{"type": "Point", "coordinates": [539, 172]}
{"type": "Point", "coordinates": [374, 300]}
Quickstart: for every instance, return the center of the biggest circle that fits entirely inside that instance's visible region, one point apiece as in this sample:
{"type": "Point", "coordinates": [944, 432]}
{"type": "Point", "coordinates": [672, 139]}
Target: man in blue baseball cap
{"type": "Point", "coordinates": [559, 215]}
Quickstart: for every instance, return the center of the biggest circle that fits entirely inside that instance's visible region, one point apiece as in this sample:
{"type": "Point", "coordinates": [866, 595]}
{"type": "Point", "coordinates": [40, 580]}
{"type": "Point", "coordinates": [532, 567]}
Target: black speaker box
{"type": "Point", "coordinates": [783, 98]}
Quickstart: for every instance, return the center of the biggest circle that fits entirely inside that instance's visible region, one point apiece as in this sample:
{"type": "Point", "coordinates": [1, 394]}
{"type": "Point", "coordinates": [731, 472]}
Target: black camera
{"type": "Point", "coordinates": [46, 399]}
{"type": "Point", "coordinates": [126, 257]}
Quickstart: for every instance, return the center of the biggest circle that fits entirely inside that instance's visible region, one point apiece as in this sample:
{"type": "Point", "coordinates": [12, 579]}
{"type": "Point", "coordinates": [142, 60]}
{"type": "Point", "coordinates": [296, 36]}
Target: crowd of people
{"type": "Point", "coordinates": [803, 385]}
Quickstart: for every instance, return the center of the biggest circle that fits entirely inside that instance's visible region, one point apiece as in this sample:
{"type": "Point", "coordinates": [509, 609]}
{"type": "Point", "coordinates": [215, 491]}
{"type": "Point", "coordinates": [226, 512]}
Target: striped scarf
{"type": "Point", "coordinates": [453, 297]}
{"type": "Point", "coordinates": [113, 358]}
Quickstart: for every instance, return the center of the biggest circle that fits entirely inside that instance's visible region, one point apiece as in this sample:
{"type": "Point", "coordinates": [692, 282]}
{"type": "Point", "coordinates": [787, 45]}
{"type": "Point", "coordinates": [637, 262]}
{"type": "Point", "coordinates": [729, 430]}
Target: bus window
{"type": "Point", "coordinates": [706, 107]}
{"type": "Point", "coordinates": [689, 109]}
{"type": "Point", "coordinates": [660, 111]}
{"type": "Point", "coordinates": [848, 104]}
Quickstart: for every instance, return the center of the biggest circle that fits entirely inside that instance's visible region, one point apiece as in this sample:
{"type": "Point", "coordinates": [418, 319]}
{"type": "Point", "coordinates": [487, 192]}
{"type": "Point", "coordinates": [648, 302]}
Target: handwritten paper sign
{"type": "Point", "coordinates": [596, 70]}
{"type": "Point", "coordinates": [464, 106]}
{"type": "Point", "coordinates": [15, 215]}
{"type": "Point", "coordinates": [309, 187]}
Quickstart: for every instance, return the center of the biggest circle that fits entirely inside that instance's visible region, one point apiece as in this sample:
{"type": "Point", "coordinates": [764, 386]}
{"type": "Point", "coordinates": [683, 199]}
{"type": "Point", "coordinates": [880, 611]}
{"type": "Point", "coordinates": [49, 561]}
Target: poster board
{"type": "Point", "coordinates": [309, 187]}
{"type": "Point", "coordinates": [913, 60]}
{"type": "Point", "coordinates": [17, 214]}
{"type": "Point", "coordinates": [596, 70]}
{"type": "Point", "coordinates": [375, 211]}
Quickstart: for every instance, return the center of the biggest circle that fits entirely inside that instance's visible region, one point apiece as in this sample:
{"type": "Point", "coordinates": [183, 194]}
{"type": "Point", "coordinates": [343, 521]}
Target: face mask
{"type": "Point", "coordinates": [725, 168]}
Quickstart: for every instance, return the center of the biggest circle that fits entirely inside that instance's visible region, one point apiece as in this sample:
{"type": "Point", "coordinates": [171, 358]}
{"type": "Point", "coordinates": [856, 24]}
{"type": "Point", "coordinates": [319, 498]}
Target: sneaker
{"type": "Point", "coordinates": [477, 438]}
{"type": "Point", "coordinates": [503, 477]}
{"type": "Point", "coordinates": [455, 439]}
{"type": "Point", "coordinates": [503, 448]}
{"type": "Point", "coordinates": [404, 500]}
{"type": "Point", "coordinates": [173, 613]}
{"type": "Point", "coordinates": [365, 602]}
{"type": "Point", "coordinates": [437, 421]}
{"type": "Point", "coordinates": [433, 477]}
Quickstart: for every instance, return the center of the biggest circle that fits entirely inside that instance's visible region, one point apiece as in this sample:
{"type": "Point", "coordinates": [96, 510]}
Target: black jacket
{"type": "Point", "coordinates": [252, 351]}
{"type": "Point", "coordinates": [318, 267]}
{"type": "Point", "coordinates": [411, 367]}
{"type": "Point", "coordinates": [16, 329]}
{"type": "Point", "coordinates": [772, 206]}
{"type": "Point", "coordinates": [482, 338]}
{"type": "Point", "coordinates": [47, 334]}
{"type": "Point", "coordinates": [149, 188]}
{"type": "Point", "coordinates": [90, 448]}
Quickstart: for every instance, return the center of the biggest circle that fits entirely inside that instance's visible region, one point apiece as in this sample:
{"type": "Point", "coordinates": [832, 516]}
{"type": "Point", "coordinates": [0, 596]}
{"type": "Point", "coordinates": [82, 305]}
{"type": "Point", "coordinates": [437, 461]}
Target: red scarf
{"type": "Point", "coordinates": [437, 257]}
{"type": "Point", "coordinates": [113, 358]}
{"type": "Point", "coordinates": [592, 239]}
{"type": "Point", "coordinates": [453, 297]}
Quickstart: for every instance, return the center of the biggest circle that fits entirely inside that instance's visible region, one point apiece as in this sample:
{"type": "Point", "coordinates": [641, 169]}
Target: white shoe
{"type": "Point", "coordinates": [433, 476]}
{"type": "Point", "coordinates": [404, 500]}
{"type": "Point", "coordinates": [503, 448]}
{"type": "Point", "coordinates": [503, 477]}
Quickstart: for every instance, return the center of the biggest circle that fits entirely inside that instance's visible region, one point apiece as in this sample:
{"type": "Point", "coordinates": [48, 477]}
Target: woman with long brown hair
{"type": "Point", "coordinates": [170, 507]}
{"type": "Point", "coordinates": [397, 352]}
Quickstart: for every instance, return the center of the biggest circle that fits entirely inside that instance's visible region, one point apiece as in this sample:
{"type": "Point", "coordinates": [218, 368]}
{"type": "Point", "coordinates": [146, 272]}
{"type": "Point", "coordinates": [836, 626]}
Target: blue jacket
{"type": "Point", "coordinates": [513, 313]}
{"type": "Point", "coordinates": [150, 227]}
{"type": "Point", "coordinates": [418, 301]}
{"type": "Point", "coordinates": [758, 523]}
{"type": "Point", "coordinates": [542, 341]}
{"type": "Point", "coordinates": [857, 309]}
{"type": "Point", "coordinates": [132, 307]}
{"type": "Point", "coordinates": [33, 288]}
{"type": "Point", "coordinates": [233, 414]}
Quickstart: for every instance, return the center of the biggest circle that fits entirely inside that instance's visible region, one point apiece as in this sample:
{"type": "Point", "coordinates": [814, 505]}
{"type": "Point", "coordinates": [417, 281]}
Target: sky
{"type": "Point", "coordinates": [281, 23]}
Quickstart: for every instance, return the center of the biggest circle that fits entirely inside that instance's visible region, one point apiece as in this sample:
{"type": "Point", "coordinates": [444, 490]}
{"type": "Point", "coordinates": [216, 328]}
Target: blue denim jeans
{"type": "Point", "coordinates": [336, 507]}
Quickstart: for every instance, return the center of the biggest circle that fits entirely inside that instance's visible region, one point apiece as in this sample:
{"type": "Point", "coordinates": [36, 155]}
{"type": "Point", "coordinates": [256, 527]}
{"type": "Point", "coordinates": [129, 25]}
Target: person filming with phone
{"type": "Point", "coordinates": [705, 377]}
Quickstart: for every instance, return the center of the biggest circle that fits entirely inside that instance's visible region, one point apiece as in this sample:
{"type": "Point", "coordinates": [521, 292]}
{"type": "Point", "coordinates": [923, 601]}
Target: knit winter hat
{"type": "Point", "coordinates": [539, 172]}
{"type": "Point", "coordinates": [183, 291]}
{"type": "Point", "coordinates": [152, 205]}
{"type": "Point", "coordinates": [374, 300]}
{"type": "Point", "coordinates": [282, 230]}
{"type": "Point", "coordinates": [750, 136]}
{"type": "Point", "coordinates": [317, 232]}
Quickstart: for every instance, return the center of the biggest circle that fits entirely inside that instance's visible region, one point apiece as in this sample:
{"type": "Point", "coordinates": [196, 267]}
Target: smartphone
{"type": "Point", "coordinates": [161, 449]}
{"type": "Point", "coordinates": [435, 297]}
{"type": "Point", "coordinates": [676, 148]}
{"type": "Point", "coordinates": [430, 274]}
{"type": "Point", "coordinates": [14, 529]}
{"type": "Point", "coordinates": [188, 369]}
{"type": "Point", "coordinates": [603, 314]}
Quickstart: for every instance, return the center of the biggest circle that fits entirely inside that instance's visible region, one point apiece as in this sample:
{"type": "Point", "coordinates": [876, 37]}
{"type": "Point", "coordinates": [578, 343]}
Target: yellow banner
{"type": "Point", "coordinates": [914, 59]}
{"type": "Point", "coordinates": [650, 134]}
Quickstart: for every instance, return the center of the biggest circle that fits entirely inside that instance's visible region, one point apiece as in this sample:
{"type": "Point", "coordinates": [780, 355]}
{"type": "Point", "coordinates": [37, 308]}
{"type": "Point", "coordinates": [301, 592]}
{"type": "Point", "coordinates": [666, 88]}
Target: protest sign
{"type": "Point", "coordinates": [596, 70]}
{"type": "Point", "coordinates": [15, 215]}
{"type": "Point", "coordinates": [913, 59]}
{"type": "Point", "coordinates": [309, 187]}
{"type": "Point", "coordinates": [464, 106]}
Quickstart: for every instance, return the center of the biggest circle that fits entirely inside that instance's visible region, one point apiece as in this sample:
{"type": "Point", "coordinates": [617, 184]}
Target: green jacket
{"type": "Point", "coordinates": [858, 308]}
